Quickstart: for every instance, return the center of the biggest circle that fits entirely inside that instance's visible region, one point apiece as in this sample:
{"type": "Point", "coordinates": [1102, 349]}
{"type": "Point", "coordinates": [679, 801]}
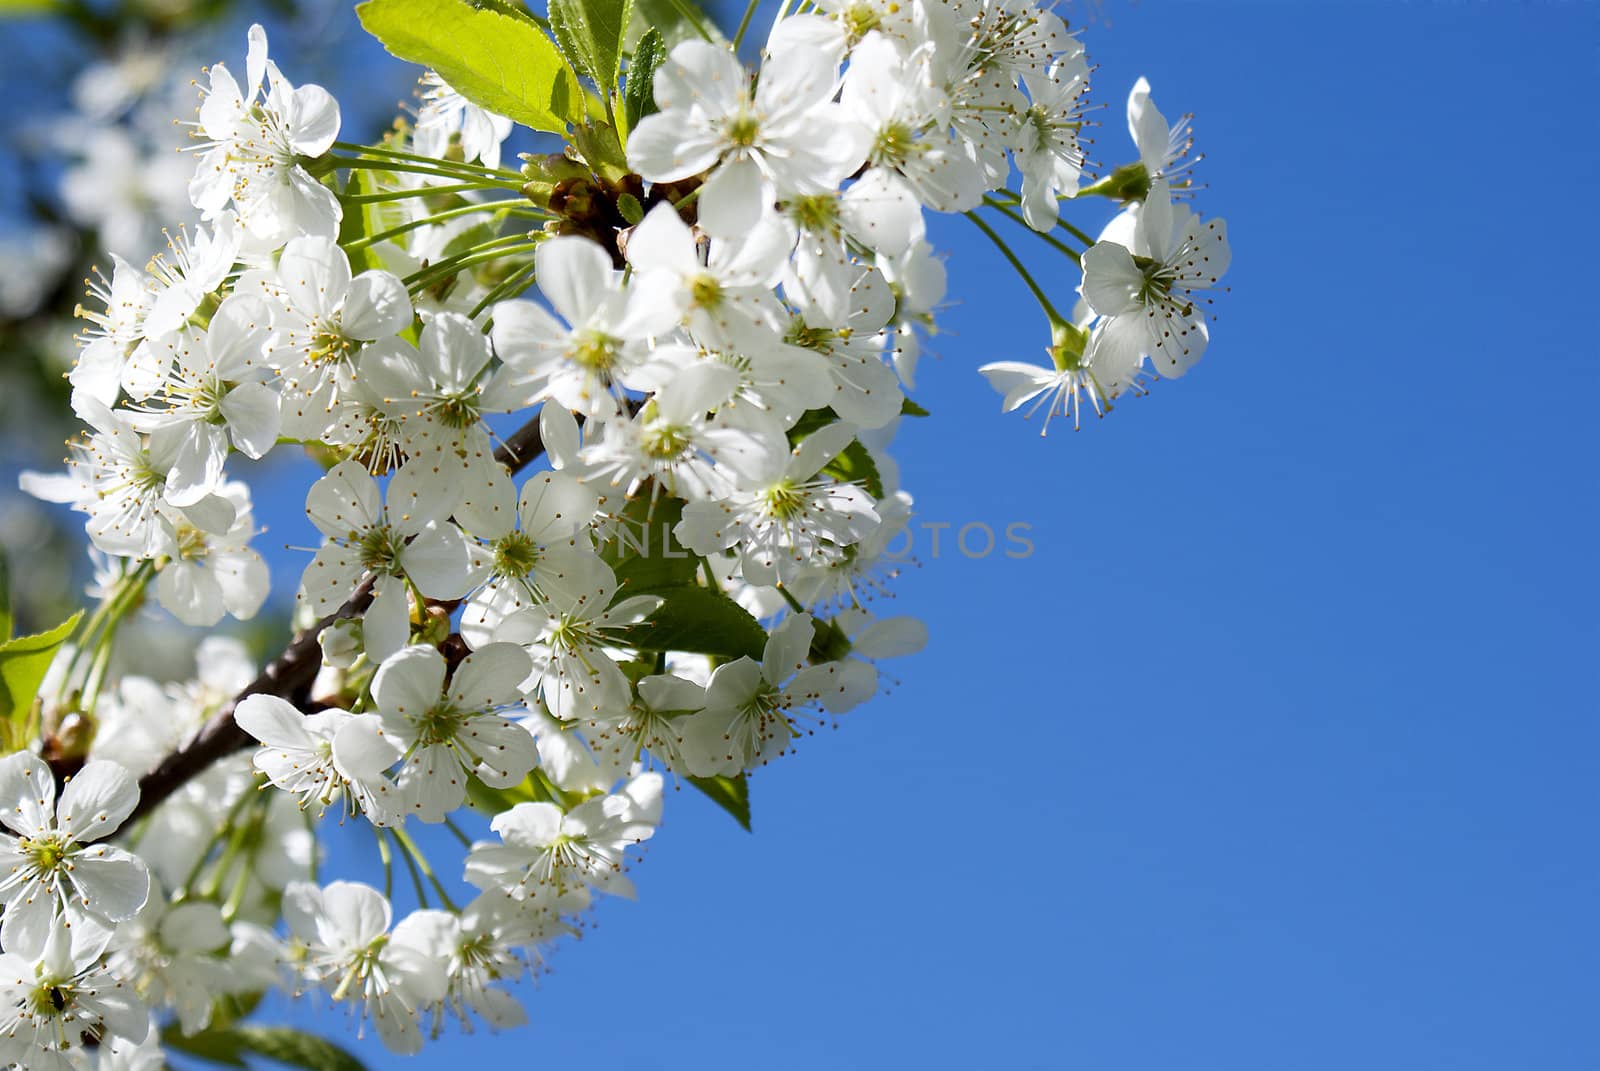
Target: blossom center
{"type": "Point", "coordinates": [785, 500]}
{"type": "Point", "coordinates": [705, 291]}
{"type": "Point", "coordinates": [439, 724]}
{"type": "Point", "coordinates": [595, 351]}
{"type": "Point", "coordinates": [46, 853]}
{"type": "Point", "coordinates": [742, 130]}
{"type": "Point", "coordinates": [818, 213]}
{"type": "Point", "coordinates": [893, 143]}
{"type": "Point", "coordinates": [191, 541]}
{"type": "Point", "coordinates": [515, 555]}
{"type": "Point", "coordinates": [49, 1001]}
{"type": "Point", "coordinates": [663, 442]}
{"type": "Point", "coordinates": [379, 548]}
{"type": "Point", "coordinates": [329, 346]}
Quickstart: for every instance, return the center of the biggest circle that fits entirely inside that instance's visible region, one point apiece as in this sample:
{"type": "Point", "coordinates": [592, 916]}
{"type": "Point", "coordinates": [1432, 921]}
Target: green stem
{"type": "Point", "coordinates": [437, 217]}
{"type": "Point", "coordinates": [502, 289]}
{"type": "Point", "coordinates": [744, 23]}
{"type": "Point", "coordinates": [685, 8]}
{"type": "Point", "coordinates": [96, 635]}
{"type": "Point", "coordinates": [421, 191]}
{"type": "Point", "coordinates": [1021, 269]}
{"type": "Point", "coordinates": [461, 834]}
{"type": "Point", "coordinates": [216, 837]}
{"type": "Point", "coordinates": [235, 900]}
{"type": "Point", "coordinates": [794, 603]}
{"type": "Point", "coordinates": [1076, 233]}
{"type": "Point", "coordinates": [425, 277]}
{"type": "Point", "coordinates": [411, 865]}
{"type": "Point", "coordinates": [1016, 199]}
{"type": "Point", "coordinates": [388, 863]}
{"type": "Point", "coordinates": [398, 154]}
{"type": "Point", "coordinates": [403, 839]}
{"type": "Point", "coordinates": [483, 182]}
{"type": "Point", "coordinates": [1015, 216]}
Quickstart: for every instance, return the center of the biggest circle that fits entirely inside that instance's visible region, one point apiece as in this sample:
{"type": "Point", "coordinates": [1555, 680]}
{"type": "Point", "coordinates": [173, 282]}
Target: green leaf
{"type": "Point", "coordinates": [493, 801]}
{"type": "Point", "coordinates": [229, 1046]}
{"type": "Point", "coordinates": [20, 8]}
{"type": "Point", "coordinates": [911, 408]}
{"type": "Point", "coordinates": [732, 794]}
{"type": "Point", "coordinates": [639, 97]}
{"type": "Point", "coordinates": [855, 465]}
{"type": "Point", "coordinates": [23, 664]}
{"type": "Point", "coordinates": [490, 52]}
{"type": "Point", "coordinates": [700, 620]}
{"type": "Point", "coordinates": [591, 33]}
{"type": "Point", "coordinates": [645, 553]}
{"type": "Point", "coordinates": [359, 221]}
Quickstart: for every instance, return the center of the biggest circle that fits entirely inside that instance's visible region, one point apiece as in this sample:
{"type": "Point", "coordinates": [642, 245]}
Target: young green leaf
{"type": "Point", "coordinates": [855, 465]}
{"type": "Point", "coordinates": [23, 663]}
{"type": "Point", "coordinates": [591, 33]}
{"type": "Point", "coordinates": [639, 97]}
{"type": "Point", "coordinates": [732, 794]}
{"type": "Point", "coordinates": [230, 1045]}
{"type": "Point", "coordinates": [490, 52]}
{"type": "Point", "coordinates": [358, 220]}
{"type": "Point", "coordinates": [700, 620]}
{"type": "Point", "coordinates": [644, 553]}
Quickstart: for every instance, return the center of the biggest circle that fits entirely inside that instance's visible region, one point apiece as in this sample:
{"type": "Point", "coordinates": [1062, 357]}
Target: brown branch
{"type": "Point", "coordinates": [289, 675]}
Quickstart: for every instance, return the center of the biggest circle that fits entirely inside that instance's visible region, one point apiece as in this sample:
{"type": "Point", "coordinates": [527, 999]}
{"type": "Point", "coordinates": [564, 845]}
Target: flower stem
{"type": "Point", "coordinates": [1016, 199]}
{"type": "Point", "coordinates": [1016, 263]}
{"type": "Point", "coordinates": [1012, 214]}
{"type": "Point", "coordinates": [398, 154]}
{"type": "Point", "coordinates": [485, 182]}
{"type": "Point", "coordinates": [421, 191]}
{"type": "Point", "coordinates": [388, 863]}
{"type": "Point", "coordinates": [425, 277]}
{"type": "Point", "coordinates": [744, 23]}
{"type": "Point", "coordinates": [402, 838]}
{"type": "Point", "coordinates": [217, 834]}
{"type": "Point", "coordinates": [437, 217]}
{"type": "Point", "coordinates": [686, 9]}
{"type": "Point", "coordinates": [502, 289]}
{"type": "Point", "coordinates": [411, 865]}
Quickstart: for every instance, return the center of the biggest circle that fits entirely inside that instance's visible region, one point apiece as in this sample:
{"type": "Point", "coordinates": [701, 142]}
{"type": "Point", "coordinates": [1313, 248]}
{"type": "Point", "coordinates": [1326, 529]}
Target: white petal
{"type": "Point", "coordinates": [253, 416]}
{"type": "Point", "coordinates": [386, 624]}
{"type": "Point", "coordinates": [409, 682]}
{"type": "Point", "coordinates": [490, 677]}
{"type": "Point", "coordinates": [345, 501]}
{"type": "Point", "coordinates": [734, 199]}
{"type": "Point", "coordinates": [376, 306]}
{"type": "Point", "coordinates": [275, 722]}
{"type": "Point", "coordinates": [111, 883]}
{"type": "Point", "coordinates": [27, 794]}
{"type": "Point", "coordinates": [190, 593]}
{"type": "Point", "coordinates": [574, 274]}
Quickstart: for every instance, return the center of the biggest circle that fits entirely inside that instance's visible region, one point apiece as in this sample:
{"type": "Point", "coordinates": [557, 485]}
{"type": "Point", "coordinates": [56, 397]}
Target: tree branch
{"type": "Point", "coordinates": [289, 675]}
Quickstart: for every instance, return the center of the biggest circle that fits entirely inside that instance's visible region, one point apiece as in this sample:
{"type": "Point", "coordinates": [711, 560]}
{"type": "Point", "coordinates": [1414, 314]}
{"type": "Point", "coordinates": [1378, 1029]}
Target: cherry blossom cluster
{"type": "Point", "coordinates": [605, 500]}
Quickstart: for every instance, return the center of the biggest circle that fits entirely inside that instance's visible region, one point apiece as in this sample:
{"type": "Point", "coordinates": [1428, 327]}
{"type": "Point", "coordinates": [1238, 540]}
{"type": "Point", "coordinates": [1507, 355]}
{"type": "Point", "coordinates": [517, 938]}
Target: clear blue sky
{"type": "Point", "coordinates": [1281, 751]}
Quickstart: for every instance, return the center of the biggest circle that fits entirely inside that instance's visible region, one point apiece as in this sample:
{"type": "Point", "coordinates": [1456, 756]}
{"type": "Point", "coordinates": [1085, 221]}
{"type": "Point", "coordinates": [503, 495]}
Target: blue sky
{"type": "Point", "coordinates": [1281, 750]}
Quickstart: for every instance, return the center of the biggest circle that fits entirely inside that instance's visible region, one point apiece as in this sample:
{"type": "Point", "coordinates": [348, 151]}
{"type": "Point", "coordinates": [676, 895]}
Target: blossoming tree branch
{"type": "Point", "coordinates": [607, 486]}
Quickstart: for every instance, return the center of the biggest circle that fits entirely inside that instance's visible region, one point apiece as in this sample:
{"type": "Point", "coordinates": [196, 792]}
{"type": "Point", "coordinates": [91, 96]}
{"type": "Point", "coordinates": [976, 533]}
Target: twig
{"type": "Point", "coordinates": [289, 675]}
